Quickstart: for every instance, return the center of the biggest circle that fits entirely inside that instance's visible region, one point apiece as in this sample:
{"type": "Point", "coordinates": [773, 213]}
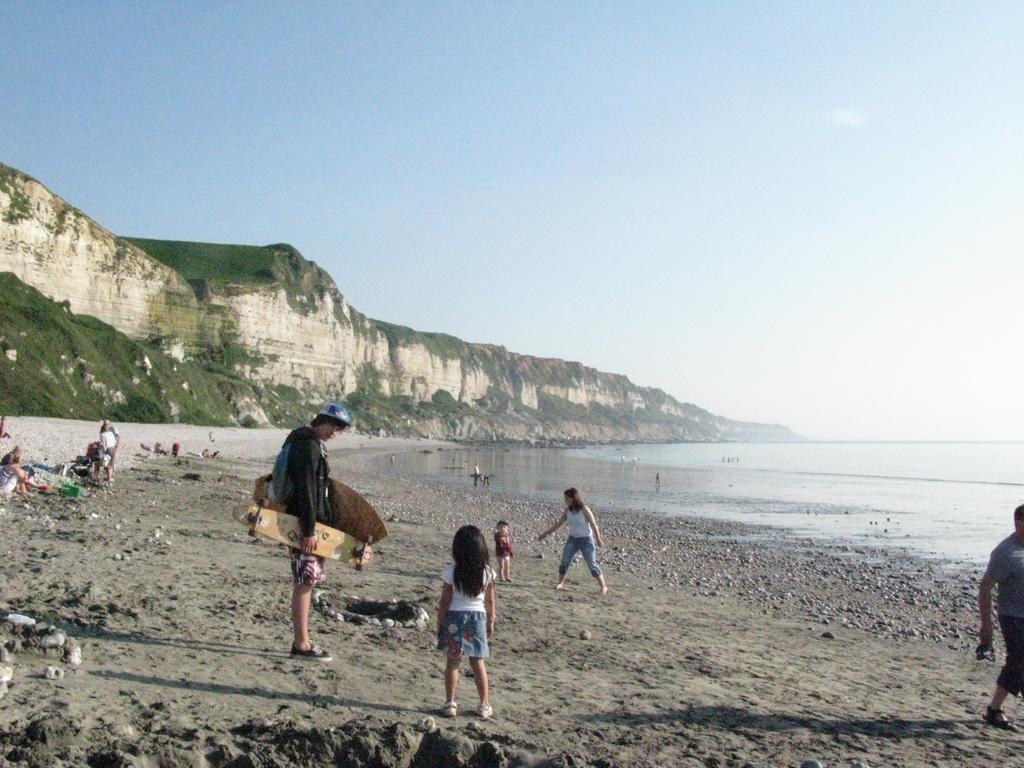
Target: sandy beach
{"type": "Point", "coordinates": [715, 647]}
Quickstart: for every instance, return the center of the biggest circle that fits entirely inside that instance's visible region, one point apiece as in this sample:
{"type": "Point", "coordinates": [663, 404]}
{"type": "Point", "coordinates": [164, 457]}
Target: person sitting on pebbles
{"type": "Point", "coordinates": [14, 479]}
{"type": "Point", "coordinates": [582, 532]}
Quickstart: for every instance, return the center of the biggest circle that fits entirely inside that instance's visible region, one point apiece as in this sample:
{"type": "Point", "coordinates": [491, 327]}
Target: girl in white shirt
{"type": "Point", "coordinates": [465, 616]}
{"type": "Point", "coordinates": [582, 532]}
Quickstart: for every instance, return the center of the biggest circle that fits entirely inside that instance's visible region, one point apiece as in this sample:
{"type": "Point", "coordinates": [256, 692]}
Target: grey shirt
{"type": "Point", "coordinates": [1006, 568]}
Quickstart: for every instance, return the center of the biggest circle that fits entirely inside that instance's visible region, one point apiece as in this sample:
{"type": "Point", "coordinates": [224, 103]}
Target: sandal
{"type": "Point", "coordinates": [313, 653]}
{"type": "Point", "coordinates": [450, 709]}
{"type": "Point", "coordinates": [997, 718]}
{"type": "Point", "coordinates": [484, 711]}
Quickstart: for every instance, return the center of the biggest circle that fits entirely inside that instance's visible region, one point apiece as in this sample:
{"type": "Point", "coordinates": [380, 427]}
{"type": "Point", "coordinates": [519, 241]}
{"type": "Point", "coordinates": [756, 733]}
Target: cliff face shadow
{"type": "Point", "coordinates": [316, 700]}
{"type": "Point", "coordinates": [732, 718]}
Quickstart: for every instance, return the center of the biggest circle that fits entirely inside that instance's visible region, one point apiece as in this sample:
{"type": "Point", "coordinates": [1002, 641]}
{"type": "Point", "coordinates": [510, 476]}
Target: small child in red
{"type": "Point", "coordinates": [503, 550]}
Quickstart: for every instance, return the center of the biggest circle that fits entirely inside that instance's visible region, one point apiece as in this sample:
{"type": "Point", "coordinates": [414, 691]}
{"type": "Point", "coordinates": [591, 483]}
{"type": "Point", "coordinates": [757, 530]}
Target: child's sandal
{"type": "Point", "coordinates": [484, 711]}
{"type": "Point", "coordinates": [450, 709]}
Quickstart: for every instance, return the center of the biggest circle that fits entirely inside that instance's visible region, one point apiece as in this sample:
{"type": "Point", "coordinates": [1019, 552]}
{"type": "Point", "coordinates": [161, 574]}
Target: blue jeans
{"type": "Point", "coordinates": [584, 544]}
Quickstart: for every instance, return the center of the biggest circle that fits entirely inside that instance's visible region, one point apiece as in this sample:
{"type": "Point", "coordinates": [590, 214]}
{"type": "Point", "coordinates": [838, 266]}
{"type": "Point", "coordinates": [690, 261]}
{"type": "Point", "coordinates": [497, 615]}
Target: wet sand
{"type": "Point", "coordinates": [712, 648]}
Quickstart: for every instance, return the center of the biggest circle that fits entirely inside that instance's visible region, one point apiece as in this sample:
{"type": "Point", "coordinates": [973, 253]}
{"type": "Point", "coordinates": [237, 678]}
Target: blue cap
{"type": "Point", "coordinates": [339, 413]}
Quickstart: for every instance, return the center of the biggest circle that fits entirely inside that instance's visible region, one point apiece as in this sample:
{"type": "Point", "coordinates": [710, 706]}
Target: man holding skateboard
{"type": "Point", "coordinates": [308, 474]}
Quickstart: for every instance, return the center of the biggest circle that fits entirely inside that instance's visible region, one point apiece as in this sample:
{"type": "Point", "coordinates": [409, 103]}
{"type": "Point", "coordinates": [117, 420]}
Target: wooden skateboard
{"type": "Point", "coordinates": [353, 514]}
{"type": "Point", "coordinates": [285, 529]}
{"type": "Point", "coordinates": [350, 512]}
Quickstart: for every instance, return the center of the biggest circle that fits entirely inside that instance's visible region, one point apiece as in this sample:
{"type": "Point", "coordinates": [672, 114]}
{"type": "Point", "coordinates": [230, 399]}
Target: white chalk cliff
{"type": "Point", "coordinates": [303, 334]}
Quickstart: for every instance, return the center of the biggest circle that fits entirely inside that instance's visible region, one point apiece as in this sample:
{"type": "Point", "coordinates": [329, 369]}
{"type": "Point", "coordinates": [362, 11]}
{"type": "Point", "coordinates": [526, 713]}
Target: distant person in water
{"type": "Point", "coordinates": [657, 481]}
{"type": "Point", "coordinates": [583, 530]}
{"type": "Point", "coordinates": [1005, 570]}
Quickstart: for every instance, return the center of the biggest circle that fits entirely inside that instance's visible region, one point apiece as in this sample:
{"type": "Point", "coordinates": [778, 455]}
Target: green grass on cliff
{"type": "Point", "coordinates": [440, 344]}
{"type": "Point", "coordinates": [223, 264]}
{"type": "Point", "coordinates": [10, 183]}
{"type": "Point", "coordinates": [71, 366]}
{"type": "Point", "coordinates": [215, 267]}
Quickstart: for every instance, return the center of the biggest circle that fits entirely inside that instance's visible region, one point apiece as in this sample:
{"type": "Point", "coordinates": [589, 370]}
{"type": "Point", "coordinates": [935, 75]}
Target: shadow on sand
{"type": "Point", "coordinates": [732, 718]}
{"type": "Point", "coordinates": [238, 690]}
{"type": "Point", "coordinates": [191, 645]}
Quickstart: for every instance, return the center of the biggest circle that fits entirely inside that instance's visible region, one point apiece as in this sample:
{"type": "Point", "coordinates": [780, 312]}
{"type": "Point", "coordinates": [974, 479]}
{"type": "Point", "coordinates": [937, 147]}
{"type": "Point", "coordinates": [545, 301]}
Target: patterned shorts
{"type": "Point", "coordinates": [307, 569]}
{"type": "Point", "coordinates": [464, 633]}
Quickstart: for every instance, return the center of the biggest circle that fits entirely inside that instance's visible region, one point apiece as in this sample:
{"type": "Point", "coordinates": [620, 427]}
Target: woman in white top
{"type": "Point", "coordinates": [465, 616]}
{"type": "Point", "coordinates": [581, 522]}
{"type": "Point", "coordinates": [109, 441]}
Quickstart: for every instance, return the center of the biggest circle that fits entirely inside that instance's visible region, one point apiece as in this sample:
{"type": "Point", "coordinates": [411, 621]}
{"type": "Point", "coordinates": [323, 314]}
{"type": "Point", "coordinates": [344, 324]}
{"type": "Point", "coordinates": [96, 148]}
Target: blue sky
{"type": "Point", "coordinates": [792, 212]}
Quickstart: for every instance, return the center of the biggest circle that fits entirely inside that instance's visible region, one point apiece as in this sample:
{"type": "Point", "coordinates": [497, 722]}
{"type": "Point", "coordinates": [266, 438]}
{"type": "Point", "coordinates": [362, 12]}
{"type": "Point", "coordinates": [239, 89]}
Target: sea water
{"type": "Point", "coordinates": [947, 500]}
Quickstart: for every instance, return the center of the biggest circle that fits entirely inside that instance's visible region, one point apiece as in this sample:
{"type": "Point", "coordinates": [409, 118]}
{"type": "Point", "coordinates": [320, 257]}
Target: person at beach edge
{"type": "Point", "coordinates": [1006, 570]}
{"type": "Point", "coordinates": [583, 530]}
{"type": "Point", "coordinates": [309, 472]}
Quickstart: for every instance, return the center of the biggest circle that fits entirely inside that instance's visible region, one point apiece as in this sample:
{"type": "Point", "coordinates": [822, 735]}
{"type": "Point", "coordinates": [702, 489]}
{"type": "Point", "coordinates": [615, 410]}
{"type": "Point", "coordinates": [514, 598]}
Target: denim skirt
{"type": "Point", "coordinates": [464, 633]}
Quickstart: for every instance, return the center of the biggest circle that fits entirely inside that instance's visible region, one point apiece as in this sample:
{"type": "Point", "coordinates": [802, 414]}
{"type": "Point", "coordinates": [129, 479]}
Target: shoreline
{"type": "Point", "coordinates": [912, 574]}
{"type": "Point", "coordinates": [711, 648]}
{"type": "Point", "coordinates": [54, 441]}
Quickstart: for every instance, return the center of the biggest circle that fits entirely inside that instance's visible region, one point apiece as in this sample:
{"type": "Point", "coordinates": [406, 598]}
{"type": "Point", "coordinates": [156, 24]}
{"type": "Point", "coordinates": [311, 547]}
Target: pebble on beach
{"type": "Point", "coordinates": [72, 653]}
{"type": "Point", "coordinates": [56, 640]}
{"type": "Point", "coordinates": [53, 673]}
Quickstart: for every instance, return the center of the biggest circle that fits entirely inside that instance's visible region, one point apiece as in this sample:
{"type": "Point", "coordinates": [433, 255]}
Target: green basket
{"type": "Point", "coordinates": [71, 491]}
